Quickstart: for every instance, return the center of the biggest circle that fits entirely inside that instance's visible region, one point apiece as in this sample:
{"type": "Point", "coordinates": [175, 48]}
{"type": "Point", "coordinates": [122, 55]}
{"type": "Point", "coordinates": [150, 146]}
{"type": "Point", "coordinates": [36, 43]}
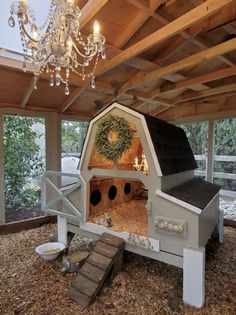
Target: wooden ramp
{"type": "Point", "coordinates": [103, 263]}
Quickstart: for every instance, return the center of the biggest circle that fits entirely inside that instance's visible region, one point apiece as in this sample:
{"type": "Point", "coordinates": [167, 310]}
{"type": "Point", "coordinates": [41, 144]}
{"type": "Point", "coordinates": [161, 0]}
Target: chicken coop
{"type": "Point", "coordinates": [136, 181]}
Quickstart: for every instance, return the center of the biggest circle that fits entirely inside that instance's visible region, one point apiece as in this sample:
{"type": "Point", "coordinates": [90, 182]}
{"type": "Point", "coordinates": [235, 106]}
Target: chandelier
{"type": "Point", "coordinates": [57, 46]}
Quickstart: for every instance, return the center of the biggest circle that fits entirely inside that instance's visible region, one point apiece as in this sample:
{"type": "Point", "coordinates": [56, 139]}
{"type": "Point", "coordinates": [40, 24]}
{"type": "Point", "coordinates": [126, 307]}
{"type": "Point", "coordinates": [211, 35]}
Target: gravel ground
{"type": "Point", "coordinates": [229, 207]}
{"type": "Point", "coordinates": [29, 285]}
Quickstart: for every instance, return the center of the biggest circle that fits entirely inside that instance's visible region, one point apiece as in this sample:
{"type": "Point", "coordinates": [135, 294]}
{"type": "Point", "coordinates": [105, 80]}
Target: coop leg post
{"type": "Point", "coordinates": [62, 231]}
{"type": "Point", "coordinates": [194, 276]}
{"type": "Point", "coordinates": [221, 226]}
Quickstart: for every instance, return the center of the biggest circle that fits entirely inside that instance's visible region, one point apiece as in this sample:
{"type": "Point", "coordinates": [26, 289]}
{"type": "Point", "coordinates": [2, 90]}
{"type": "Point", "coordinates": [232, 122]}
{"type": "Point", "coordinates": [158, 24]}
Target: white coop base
{"type": "Point", "coordinates": [94, 231]}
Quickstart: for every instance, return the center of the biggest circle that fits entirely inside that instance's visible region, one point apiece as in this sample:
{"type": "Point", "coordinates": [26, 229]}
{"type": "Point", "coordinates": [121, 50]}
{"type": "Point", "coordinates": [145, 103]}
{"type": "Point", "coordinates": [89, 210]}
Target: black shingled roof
{"type": "Point", "coordinates": [171, 146]}
{"type": "Point", "coordinates": [196, 192]}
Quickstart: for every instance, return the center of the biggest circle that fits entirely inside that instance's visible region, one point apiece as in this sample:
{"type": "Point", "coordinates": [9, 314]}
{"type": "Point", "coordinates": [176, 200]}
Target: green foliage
{"type": "Point", "coordinates": [73, 134]}
{"type": "Point", "coordinates": [225, 137]}
{"type": "Point", "coordinates": [22, 160]}
{"type": "Point", "coordinates": [197, 136]}
{"type": "Point", "coordinates": [112, 149]}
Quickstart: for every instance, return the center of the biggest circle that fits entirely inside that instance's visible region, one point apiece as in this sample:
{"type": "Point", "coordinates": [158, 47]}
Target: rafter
{"type": "Point", "coordinates": [189, 95]}
{"type": "Point", "coordinates": [208, 77]}
{"type": "Point", "coordinates": [28, 92]}
{"type": "Point", "coordinates": [136, 23]}
{"type": "Point", "coordinates": [197, 14]}
{"type": "Point", "coordinates": [91, 8]}
{"type": "Point", "coordinates": [200, 111]}
{"type": "Point", "coordinates": [74, 96]}
{"type": "Point", "coordinates": [186, 97]}
{"type": "Point", "coordinates": [142, 78]}
{"type": "Point", "coordinates": [180, 41]}
{"type": "Point", "coordinates": [186, 35]}
{"type": "Point", "coordinates": [194, 82]}
{"type": "Point", "coordinates": [190, 36]}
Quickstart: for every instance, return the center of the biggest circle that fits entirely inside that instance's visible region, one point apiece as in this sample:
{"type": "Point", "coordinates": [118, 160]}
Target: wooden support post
{"type": "Point", "coordinates": [62, 229]}
{"type": "Point", "coordinates": [53, 149]}
{"type": "Point", "coordinates": [53, 142]}
{"type": "Point", "coordinates": [2, 194]}
{"type": "Point", "coordinates": [194, 276]}
{"type": "Point", "coordinates": [210, 152]}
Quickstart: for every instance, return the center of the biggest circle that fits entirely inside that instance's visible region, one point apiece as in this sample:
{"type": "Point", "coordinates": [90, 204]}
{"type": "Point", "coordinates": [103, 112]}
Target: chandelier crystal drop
{"type": "Point", "coordinates": [57, 47]}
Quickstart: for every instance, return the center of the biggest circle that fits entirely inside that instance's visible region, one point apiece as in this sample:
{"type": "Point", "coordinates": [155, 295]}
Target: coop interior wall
{"type": "Point", "coordinates": [119, 204]}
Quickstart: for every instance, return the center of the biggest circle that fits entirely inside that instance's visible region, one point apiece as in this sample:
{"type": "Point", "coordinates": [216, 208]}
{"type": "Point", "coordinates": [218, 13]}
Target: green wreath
{"type": "Point", "coordinates": [113, 137]}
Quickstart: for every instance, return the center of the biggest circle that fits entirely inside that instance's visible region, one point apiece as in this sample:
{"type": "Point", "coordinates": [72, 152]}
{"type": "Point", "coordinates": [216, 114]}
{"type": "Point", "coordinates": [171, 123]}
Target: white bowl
{"type": "Point", "coordinates": [50, 251]}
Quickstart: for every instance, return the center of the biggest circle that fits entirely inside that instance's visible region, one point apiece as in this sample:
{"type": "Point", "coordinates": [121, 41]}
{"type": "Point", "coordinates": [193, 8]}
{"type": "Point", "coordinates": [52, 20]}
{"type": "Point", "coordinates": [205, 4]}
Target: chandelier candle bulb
{"type": "Point", "coordinates": [96, 28]}
{"type": "Point", "coordinates": [35, 35]}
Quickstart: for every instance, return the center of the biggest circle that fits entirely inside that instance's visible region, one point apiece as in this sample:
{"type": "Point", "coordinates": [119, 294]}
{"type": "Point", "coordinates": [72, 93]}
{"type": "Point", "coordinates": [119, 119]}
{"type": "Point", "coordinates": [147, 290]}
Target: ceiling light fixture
{"type": "Point", "coordinates": [57, 46]}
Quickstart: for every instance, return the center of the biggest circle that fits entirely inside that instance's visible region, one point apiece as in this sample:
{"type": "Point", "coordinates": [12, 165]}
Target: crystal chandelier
{"type": "Point", "coordinates": [57, 46]}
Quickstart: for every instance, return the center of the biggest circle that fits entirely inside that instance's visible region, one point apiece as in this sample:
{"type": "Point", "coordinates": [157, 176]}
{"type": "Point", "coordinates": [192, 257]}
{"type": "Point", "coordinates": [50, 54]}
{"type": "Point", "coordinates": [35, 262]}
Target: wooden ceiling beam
{"type": "Point", "coordinates": [187, 35]}
{"type": "Point", "coordinates": [136, 23]}
{"type": "Point", "coordinates": [200, 111]}
{"type": "Point", "coordinates": [131, 29]}
{"type": "Point", "coordinates": [204, 95]}
{"type": "Point", "coordinates": [208, 77]}
{"type": "Point", "coordinates": [190, 95]}
{"type": "Point", "coordinates": [28, 92]}
{"type": "Point", "coordinates": [142, 78]}
{"type": "Point", "coordinates": [197, 14]}
{"type": "Point", "coordinates": [91, 8]}
{"type": "Point", "coordinates": [73, 97]}
{"type": "Point", "coordinates": [194, 82]}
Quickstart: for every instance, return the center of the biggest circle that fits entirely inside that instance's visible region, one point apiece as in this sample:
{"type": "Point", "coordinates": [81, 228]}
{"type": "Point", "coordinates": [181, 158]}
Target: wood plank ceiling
{"type": "Point", "coordinates": [173, 59]}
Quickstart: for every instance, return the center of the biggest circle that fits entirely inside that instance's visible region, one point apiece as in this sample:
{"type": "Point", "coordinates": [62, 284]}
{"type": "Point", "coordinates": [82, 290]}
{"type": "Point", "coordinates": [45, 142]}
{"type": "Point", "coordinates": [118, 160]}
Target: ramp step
{"type": "Point", "coordinates": [78, 297]}
{"type": "Point", "coordinates": [84, 285]}
{"type": "Point", "coordinates": [91, 272]}
{"type": "Point", "coordinates": [99, 260]}
{"type": "Point", "coordinates": [111, 240]}
{"type": "Point", "coordinates": [105, 249]}
{"type": "Point", "coordinates": [106, 254]}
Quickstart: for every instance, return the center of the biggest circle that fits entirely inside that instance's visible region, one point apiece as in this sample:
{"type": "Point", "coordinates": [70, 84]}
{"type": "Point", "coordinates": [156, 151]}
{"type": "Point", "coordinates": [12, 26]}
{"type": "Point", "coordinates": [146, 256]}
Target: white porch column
{"type": "Point", "coordinates": [2, 194]}
{"type": "Point", "coordinates": [194, 276]}
{"type": "Point", "coordinates": [62, 229]}
{"type": "Point", "coordinates": [210, 152]}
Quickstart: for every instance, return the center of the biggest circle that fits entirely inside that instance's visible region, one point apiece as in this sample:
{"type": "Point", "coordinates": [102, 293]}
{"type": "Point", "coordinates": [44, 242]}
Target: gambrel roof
{"type": "Point", "coordinates": [171, 146]}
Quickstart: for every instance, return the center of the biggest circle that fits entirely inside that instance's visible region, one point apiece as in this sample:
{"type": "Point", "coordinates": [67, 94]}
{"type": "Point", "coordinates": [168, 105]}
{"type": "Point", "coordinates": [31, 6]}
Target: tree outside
{"type": "Point", "coordinates": [197, 136]}
{"type": "Point", "coordinates": [73, 135]}
{"type": "Point", "coordinates": [24, 164]}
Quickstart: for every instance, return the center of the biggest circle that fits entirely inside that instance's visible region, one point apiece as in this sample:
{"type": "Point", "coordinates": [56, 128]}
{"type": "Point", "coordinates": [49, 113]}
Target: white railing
{"type": "Point", "coordinates": [221, 158]}
{"type": "Point", "coordinates": [55, 199]}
